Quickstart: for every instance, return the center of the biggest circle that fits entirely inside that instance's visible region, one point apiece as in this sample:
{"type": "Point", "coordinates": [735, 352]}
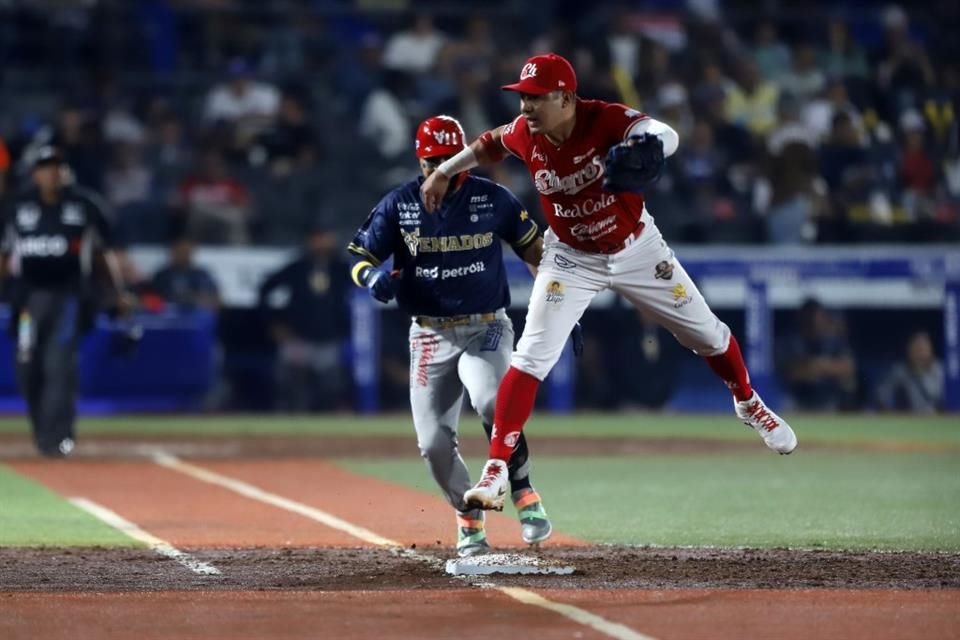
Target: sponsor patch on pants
{"type": "Point", "coordinates": [555, 292]}
{"type": "Point", "coordinates": [680, 296]}
{"type": "Point", "coordinates": [663, 270]}
{"type": "Point", "coordinates": [491, 340]}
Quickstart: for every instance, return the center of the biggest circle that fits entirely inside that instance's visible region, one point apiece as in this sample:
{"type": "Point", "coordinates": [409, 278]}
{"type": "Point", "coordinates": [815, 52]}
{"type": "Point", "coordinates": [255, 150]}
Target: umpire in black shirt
{"type": "Point", "coordinates": [60, 234]}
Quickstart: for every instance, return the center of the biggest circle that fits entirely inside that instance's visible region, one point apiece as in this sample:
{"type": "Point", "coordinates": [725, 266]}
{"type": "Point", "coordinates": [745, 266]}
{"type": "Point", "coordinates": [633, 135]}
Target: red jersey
{"type": "Point", "coordinates": [569, 177]}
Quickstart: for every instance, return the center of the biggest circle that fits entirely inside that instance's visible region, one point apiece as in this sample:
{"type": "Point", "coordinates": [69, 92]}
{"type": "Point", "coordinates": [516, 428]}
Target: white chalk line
{"type": "Point", "coordinates": [162, 547]}
{"type": "Point", "coordinates": [525, 596]}
{"type": "Point", "coordinates": [255, 493]}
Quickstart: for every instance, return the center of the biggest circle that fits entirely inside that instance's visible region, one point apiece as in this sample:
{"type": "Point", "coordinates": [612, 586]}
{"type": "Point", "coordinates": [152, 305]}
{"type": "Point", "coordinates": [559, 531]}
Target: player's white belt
{"type": "Point", "coordinates": [430, 322]}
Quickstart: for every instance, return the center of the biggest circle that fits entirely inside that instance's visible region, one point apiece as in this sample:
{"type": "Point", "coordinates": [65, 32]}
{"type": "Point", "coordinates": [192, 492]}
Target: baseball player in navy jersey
{"type": "Point", "coordinates": [589, 161]}
{"type": "Point", "coordinates": [448, 275]}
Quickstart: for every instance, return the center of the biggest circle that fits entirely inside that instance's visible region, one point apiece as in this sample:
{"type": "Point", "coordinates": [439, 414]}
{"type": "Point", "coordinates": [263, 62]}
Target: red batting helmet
{"type": "Point", "coordinates": [439, 136]}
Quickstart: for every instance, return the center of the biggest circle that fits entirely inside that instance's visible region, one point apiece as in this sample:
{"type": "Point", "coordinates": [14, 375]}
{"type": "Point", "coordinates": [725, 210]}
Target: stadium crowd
{"type": "Point", "coordinates": [240, 119]}
{"type": "Point", "coordinates": [245, 123]}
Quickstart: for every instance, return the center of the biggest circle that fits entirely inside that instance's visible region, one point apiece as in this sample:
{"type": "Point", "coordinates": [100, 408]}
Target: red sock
{"type": "Point", "coordinates": [730, 367]}
{"type": "Point", "coordinates": [515, 399]}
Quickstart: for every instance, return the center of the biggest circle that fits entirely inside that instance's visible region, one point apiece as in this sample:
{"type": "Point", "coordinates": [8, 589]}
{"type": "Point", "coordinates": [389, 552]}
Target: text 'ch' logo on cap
{"type": "Point", "coordinates": [529, 71]}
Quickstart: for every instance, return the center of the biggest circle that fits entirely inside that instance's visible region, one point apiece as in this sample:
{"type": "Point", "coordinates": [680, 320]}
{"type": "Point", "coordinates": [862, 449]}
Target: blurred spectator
{"type": "Point", "coordinates": [646, 361]}
{"type": "Point", "coordinates": [843, 57]}
{"type": "Point", "coordinates": [241, 98]}
{"type": "Point", "coordinates": [241, 105]}
{"type": "Point", "coordinates": [770, 54]}
{"type": "Point", "coordinates": [700, 186]}
{"type": "Point", "coordinates": [903, 68]}
{"type": "Point", "coordinates": [624, 44]}
{"type": "Point", "coordinates": [307, 308]}
{"type": "Point", "coordinates": [818, 364]}
{"type": "Point", "coordinates": [711, 87]}
{"type": "Point", "coordinates": [819, 112]}
{"type": "Point", "coordinates": [477, 49]}
{"type": "Point", "coordinates": [655, 68]}
{"type": "Point", "coordinates": [383, 119]}
{"type": "Point", "coordinates": [849, 174]}
{"type": "Point", "coordinates": [181, 282]}
{"type": "Point", "coordinates": [415, 50]}
{"type": "Point", "coordinates": [120, 126]}
{"type": "Point", "coordinates": [291, 142]}
{"type": "Point", "coordinates": [394, 360]}
{"type": "Point", "coordinates": [217, 206]}
{"type": "Point", "coordinates": [751, 102]}
{"type": "Point", "coordinates": [601, 80]}
{"type": "Point", "coordinates": [917, 169]}
{"type": "Point", "coordinates": [297, 41]}
{"type": "Point", "coordinates": [804, 79]}
{"type": "Point", "coordinates": [78, 135]}
{"type": "Point", "coordinates": [168, 154]}
{"type": "Point", "coordinates": [916, 384]}
{"type": "Point", "coordinates": [5, 165]}
{"type": "Point", "coordinates": [794, 182]}
{"type": "Point", "coordinates": [670, 66]}
{"type": "Point", "coordinates": [357, 70]}
{"type": "Point", "coordinates": [671, 105]}
{"type": "Point", "coordinates": [128, 180]}
{"type": "Point", "coordinates": [628, 363]}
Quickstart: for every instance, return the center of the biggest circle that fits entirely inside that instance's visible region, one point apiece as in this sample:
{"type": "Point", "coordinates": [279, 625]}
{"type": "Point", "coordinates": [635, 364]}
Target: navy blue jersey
{"type": "Point", "coordinates": [451, 260]}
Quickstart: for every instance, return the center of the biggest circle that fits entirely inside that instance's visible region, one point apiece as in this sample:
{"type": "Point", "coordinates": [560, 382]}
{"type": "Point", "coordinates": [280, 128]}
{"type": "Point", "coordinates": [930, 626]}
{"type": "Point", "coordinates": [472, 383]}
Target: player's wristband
{"type": "Point", "coordinates": [360, 273]}
{"type": "Point", "coordinates": [465, 160]}
{"type": "Point", "coordinates": [491, 148]}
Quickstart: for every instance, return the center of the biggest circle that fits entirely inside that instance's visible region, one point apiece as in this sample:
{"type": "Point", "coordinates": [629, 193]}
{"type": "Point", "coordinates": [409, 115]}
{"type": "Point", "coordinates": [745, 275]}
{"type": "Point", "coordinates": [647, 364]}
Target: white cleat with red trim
{"type": "Point", "coordinates": [774, 430]}
{"type": "Point", "coordinates": [490, 491]}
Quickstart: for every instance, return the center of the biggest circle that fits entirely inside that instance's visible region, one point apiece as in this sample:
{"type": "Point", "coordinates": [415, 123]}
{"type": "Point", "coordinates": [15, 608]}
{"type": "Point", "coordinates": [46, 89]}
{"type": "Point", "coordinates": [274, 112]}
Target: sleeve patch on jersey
{"type": "Point", "coordinates": [353, 247]}
{"type": "Point", "coordinates": [491, 340]}
{"type": "Point", "coordinates": [527, 238]}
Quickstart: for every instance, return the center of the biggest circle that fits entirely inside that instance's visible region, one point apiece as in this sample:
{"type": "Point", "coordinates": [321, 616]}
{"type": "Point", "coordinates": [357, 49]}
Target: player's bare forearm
{"type": "Point", "coordinates": [485, 150]}
{"type": "Point", "coordinates": [108, 267]}
{"type": "Point", "coordinates": [532, 256]}
{"type": "Point", "coordinates": [114, 274]}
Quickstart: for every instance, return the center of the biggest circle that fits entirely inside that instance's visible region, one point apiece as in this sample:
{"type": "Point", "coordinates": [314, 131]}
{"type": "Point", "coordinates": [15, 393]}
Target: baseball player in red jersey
{"type": "Point", "coordinates": [587, 159]}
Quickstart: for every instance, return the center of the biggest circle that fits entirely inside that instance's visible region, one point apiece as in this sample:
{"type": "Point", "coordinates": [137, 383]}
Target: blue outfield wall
{"type": "Point", "coordinates": [176, 364]}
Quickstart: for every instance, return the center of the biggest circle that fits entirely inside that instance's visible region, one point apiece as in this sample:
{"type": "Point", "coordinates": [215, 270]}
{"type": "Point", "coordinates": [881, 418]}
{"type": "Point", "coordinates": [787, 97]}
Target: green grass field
{"type": "Point", "coordinates": [937, 430]}
{"type": "Point", "coordinates": [32, 515]}
{"type": "Point", "coordinates": [817, 498]}
{"type": "Point", "coordinates": [826, 500]}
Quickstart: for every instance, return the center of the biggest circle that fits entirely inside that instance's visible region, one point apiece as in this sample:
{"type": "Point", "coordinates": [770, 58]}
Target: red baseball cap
{"type": "Point", "coordinates": [439, 136]}
{"type": "Point", "coordinates": [543, 74]}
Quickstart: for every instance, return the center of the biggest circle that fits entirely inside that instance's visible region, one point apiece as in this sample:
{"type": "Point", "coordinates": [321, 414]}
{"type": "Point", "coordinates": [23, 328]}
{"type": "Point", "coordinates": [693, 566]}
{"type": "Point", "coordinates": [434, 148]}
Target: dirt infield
{"type": "Point", "coordinates": [284, 573]}
{"type": "Point", "coordinates": [598, 567]}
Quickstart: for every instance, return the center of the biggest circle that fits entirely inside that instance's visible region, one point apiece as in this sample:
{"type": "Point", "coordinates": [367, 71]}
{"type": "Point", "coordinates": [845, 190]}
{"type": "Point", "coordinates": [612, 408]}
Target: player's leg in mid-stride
{"type": "Point", "coordinates": [561, 292]}
{"type": "Point", "coordinates": [649, 276]}
{"type": "Point", "coordinates": [481, 367]}
{"type": "Point", "coordinates": [436, 398]}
